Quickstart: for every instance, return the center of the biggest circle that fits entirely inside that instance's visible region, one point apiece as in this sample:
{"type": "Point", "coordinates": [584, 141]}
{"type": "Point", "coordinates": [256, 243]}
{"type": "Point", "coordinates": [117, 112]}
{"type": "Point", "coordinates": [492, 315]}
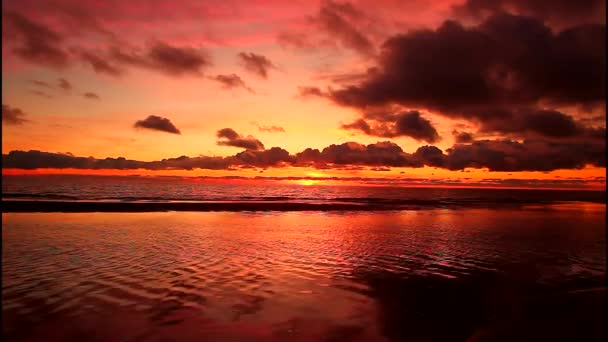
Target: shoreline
{"type": "Point", "coordinates": [42, 206]}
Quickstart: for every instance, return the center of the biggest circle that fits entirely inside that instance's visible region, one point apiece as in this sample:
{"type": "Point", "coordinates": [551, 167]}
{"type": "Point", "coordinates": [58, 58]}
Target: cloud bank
{"type": "Point", "coordinates": [495, 155]}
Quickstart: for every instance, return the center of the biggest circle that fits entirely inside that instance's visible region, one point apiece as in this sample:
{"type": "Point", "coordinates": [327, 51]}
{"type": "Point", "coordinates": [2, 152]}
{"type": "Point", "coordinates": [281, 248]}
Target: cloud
{"type": "Point", "coordinates": [236, 140]}
{"type": "Point", "coordinates": [269, 129]}
{"type": "Point", "coordinates": [557, 12]}
{"type": "Point", "coordinates": [547, 123]}
{"type": "Point", "coordinates": [228, 133]}
{"type": "Point", "coordinates": [430, 155]}
{"type": "Point", "coordinates": [339, 20]}
{"type": "Point", "coordinates": [295, 39]}
{"type": "Point", "coordinates": [338, 25]}
{"type": "Point", "coordinates": [232, 81]}
{"type": "Point", "coordinates": [346, 78]}
{"type": "Point", "coordinates": [157, 123]}
{"type": "Point", "coordinates": [495, 155]}
{"type": "Point", "coordinates": [506, 63]}
{"type": "Point", "coordinates": [156, 56]}
{"type": "Point", "coordinates": [34, 159]}
{"type": "Point", "coordinates": [342, 25]}
{"type": "Point", "coordinates": [99, 64]}
{"type": "Point", "coordinates": [305, 92]}
{"type": "Point", "coordinates": [351, 153]}
{"type": "Point", "coordinates": [463, 137]}
{"type": "Point", "coordinates": [12, 115]}
{"type": "Point", "coordinates": [165, 58]}
{"type": "Point", "coordinates": [509, 155]}
{"type": "Point", "coordinates": [256, 64]}
{"type": "Point", "coordinates": [41, 83]}
{"type": "Point", "coordinates": [94, 96]}
{"type": "Point", "coordinates": [34, 42]}
{"type": "Point", "coordinates": [75, 17]}
{"type": "Point", "coordinates": [64, 84]}
{"type": "Point", "coordinates": [390, 125]}
{"type": "Point", "coordinates": [274, 156]}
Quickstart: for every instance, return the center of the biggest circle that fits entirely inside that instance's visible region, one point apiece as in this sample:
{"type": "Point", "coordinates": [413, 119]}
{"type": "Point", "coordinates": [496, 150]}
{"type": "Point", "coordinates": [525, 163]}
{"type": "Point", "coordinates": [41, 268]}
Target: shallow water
{"type": "Point", "coordinates": [536, 273]}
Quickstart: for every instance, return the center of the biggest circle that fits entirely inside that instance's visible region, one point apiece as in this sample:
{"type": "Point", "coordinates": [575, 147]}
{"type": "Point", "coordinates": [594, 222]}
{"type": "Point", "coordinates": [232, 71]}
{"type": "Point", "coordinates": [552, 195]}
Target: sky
{"type": "Point", "coordinates": [501, 92]}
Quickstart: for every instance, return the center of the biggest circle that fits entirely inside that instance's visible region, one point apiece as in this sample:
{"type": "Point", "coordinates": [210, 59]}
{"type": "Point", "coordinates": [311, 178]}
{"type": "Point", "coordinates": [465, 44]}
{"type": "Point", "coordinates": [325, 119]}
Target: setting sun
{"type": "Point", "coordinates": [309, 182]}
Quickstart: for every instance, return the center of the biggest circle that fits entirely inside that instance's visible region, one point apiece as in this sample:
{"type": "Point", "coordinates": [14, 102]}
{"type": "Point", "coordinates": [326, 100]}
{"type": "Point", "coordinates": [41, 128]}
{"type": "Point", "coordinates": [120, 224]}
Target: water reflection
{"type": "Point", "coordinates": [448, 275]}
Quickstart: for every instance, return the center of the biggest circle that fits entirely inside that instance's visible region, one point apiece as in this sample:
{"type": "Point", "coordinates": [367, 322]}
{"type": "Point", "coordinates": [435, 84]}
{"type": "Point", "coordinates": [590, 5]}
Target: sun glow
{"type": "Point", "coordinates": [308, 182]}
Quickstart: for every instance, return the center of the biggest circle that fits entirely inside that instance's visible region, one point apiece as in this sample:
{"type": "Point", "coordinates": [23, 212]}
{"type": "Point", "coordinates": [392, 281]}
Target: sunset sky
{"type": "Point", "coordinates": [501, 92]}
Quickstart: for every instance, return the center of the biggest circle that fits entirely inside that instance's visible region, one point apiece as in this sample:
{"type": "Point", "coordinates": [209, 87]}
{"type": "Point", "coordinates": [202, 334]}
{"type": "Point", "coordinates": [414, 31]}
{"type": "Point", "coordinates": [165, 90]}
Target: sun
{"type": "Point", "coordinates": [308, 182]}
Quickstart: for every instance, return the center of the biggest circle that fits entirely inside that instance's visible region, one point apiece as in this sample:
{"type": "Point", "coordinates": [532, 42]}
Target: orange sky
{"type": "Point", "coordinates": [60, 120]}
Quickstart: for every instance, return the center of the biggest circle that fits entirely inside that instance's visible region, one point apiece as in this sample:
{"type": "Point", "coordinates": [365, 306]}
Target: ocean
{"type": "Point", "coordinates": [172, 189]}
{"type": "Point", "coordinates": [439, 264]}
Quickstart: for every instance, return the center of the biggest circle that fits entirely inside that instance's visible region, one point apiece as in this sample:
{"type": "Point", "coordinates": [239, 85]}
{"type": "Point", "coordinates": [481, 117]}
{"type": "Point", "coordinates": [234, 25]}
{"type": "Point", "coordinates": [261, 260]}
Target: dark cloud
{"type": "Point", "coordinates": [39, 160]}
{"type": "Point", "coordinates": [430, 155]}
{"type": "Point", "coordinates": [360, 125]}
{"type": "Point", "coordinates": [505, 64]}
{"type": "Point", "coordinates": [339, 21]}
{"type": "Point", "coordinates": [509, 155]}
{"type": "Point", "coordinates": [352, 153]}
{"type": "Point", "coordinates": [232, 81]}
{"type": "Point", "coordinates": [390, 125]}
{"type": "Point", "coordinates": [41, 83]}
{"type": "Point", "coordinates": [463, 137]}
{"type": "Point", "coordinates": [307, 92]}
{"type": "Point", "coordinates": [274, 156]}
{"type": "Point", "coordinates": [34, 42]}
{"type": "Point", "coordinates": [100, 64]}
{"type": "Point", "coordinates": [12, 115]}
{"type": "Point", "coordinates": [228, 133]}
{"type": "Point", "coordinates": [162, 57]}
{"type": "Point", "coordinates": [157, 123]}
{"type": "Point", "coordinates": [64, 84]}
{"type": "Point", "coordinates": [256, 64]}
{"type": "Point", "coordinates": [547, 123]}
{"type": "Point", "coordinates": [94, 96]}
{"type": "Point", "coordinates": [495, 155]}
{"type": "Point", "coordinates": [557, 12]}
{"type": "Point", "coordinates": [156, 56]}
{"type": "Point", "coordinates": [236, 140]}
